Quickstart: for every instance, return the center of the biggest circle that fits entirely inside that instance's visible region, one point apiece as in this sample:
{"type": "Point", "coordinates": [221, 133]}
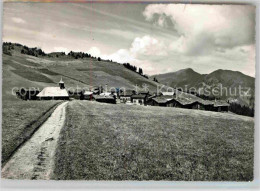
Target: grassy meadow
{"type": "Point", "coordinates": [121, 142]}
{"type": "Point", "coordinates": [19, 121]}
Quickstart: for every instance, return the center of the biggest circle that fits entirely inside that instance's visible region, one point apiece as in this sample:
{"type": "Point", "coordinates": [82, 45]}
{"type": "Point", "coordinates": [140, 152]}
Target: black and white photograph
{"type": "Point", "coordinates": [128, 91]}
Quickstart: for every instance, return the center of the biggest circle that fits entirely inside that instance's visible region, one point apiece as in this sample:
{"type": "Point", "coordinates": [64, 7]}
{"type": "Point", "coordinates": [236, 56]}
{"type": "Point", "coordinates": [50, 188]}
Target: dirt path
{"type": "Point", "coordinates": [35, 159]}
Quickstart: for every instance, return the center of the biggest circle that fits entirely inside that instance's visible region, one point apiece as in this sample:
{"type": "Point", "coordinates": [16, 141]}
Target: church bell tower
{"type": "Point", "coordinates": [61, 84]}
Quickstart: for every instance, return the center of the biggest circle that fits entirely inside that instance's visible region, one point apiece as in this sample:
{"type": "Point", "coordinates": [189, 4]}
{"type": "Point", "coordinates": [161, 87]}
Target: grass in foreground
{"type": "Point", "coordinates": [120, 142]}
{"type": "Point", "coordinates": [17, 118]}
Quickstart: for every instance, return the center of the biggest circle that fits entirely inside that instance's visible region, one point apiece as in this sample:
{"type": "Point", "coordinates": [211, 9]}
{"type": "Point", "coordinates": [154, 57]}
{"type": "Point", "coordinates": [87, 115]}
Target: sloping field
{"type": "Point", "coordinates": [121, 142]}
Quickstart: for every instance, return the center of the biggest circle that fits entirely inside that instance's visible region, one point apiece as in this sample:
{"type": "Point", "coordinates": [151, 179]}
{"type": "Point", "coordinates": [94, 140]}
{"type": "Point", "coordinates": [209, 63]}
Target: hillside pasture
{"type": "Point", "coordinates": [121, 142]}
{"type": "Point", "coordinates": [32, 76]}
{"type": "Point", "coordinates": [47, 71]}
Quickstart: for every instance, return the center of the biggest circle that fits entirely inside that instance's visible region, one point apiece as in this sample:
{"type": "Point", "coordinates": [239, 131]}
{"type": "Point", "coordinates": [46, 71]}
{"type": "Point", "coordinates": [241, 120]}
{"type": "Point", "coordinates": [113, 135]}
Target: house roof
{"type": "Point", "coordinates": [143, 92]}
{"type": "Point", "coordinates": [53, 92]}
{"type": "Point", "coordinates": [218, 103]}
{"type": "Point", "coordinates": [139, 96]}
{"type": "Point", "coordinates": [95, 91]}
{"type": "Point", "coordinates": [186, 99]}
{"type": "Point", "coordinates": [88, 93]}
{"type": "Point", "coordinates": [96, 97]}
{"type": "Point", "coordinates": [127, 93]}
{"type": "Point", "coordinates": [161, 100]}
{"type": "Point", "coordinates": [106, 94]}
{"type": "Point", "coordinates": [206, 102]}
{"type": "Point", "coordinates": [168, 93]}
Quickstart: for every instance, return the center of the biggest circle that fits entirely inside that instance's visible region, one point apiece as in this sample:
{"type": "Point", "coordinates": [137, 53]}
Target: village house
{"type": "Point", "coordinates": [96, 90]}
{"type": "Point", "coordinates": [159, 101]}
{"type": "Point", "coordinates": [203, 105]}
{"type": "Point", "coordinates": [188, 101]}
{"type": "Point", "coordinates": [125, 96]}
{"type": "Point", "coordinates": [144, 92]}
{"type": "Point", "coordinates": [56, 93]}
{"type": "Point", "coordinates": [88, 95]}
{"type": "Point", "coordinates": [139, 99]}
{"type": "Point", "coordinates": [104, 99]}
{"type": "Point", "coordinates": [221, 106]}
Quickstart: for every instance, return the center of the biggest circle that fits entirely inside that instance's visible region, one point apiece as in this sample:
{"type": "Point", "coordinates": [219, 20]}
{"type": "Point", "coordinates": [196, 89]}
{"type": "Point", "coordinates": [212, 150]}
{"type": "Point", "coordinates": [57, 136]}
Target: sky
{"type": "Point", "coordinates": [159, 38]}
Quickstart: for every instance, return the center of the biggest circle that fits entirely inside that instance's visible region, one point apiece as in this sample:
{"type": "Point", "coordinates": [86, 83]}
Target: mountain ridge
{"type": "Point", "coordinates": [188, 79]}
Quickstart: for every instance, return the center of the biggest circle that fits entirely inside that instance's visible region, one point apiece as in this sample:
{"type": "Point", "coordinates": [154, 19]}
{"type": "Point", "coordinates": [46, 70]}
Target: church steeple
{"type": "Point", "coordinates": [61, 84]}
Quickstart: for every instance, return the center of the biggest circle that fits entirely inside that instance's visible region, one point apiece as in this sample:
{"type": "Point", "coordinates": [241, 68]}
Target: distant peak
{"type": "Point", "coordinates": [189, 70]}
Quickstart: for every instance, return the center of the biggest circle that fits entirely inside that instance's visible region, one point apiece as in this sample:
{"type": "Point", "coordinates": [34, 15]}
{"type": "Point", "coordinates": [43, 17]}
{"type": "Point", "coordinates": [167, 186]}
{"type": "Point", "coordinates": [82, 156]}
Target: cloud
{"type": "Point", "coordinates": [121, 56]}
{"type": "Point", "coordinates": [141, 46]}
{"type": "Point", "coordinates": [148, 45]}
{"type": "Point", "coordinates": [18, 20]}
{"type": "Point", "coordinates": [203, 28]}
{"type": "Point", "coordinates": [140, 53]}
{"type": "Point", "coordinates": [94, 51]}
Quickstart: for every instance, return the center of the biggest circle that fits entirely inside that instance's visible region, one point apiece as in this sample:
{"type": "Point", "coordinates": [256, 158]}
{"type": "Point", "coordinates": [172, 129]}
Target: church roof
{"type": "Point", "coordinates": [53, 92]}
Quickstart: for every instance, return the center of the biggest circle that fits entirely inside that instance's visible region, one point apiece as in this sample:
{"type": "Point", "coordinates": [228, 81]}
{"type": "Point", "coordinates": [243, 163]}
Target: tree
{"type": "Point", "coordinates": [140, 71]}
{"type": "Point", "coordinates": [155, 79]}
{"type": "Point", "coordinates": [99, 59]}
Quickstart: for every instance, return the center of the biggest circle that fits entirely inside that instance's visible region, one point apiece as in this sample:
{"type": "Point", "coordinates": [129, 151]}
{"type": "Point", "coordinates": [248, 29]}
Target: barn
{"type": "Point", "coordinates": [54, 93]}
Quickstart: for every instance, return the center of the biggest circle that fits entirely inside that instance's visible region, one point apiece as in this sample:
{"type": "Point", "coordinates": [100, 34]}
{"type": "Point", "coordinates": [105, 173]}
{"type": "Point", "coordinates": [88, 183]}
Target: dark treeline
{"type": "Point", "coordinates": [32, 51]}
{"type": "Point", "coordinates": [130, 67]}
{"type": "Point", "coordinates": [8, 46]}
{"type": "Point", "coordinates": [134, 69]}
{"type": "Point", "coordinates": [155, 79]}
{"type": "Point", "coordinates": [78, 55]}
{"type": "Point", "coordinates": [241, 110]}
